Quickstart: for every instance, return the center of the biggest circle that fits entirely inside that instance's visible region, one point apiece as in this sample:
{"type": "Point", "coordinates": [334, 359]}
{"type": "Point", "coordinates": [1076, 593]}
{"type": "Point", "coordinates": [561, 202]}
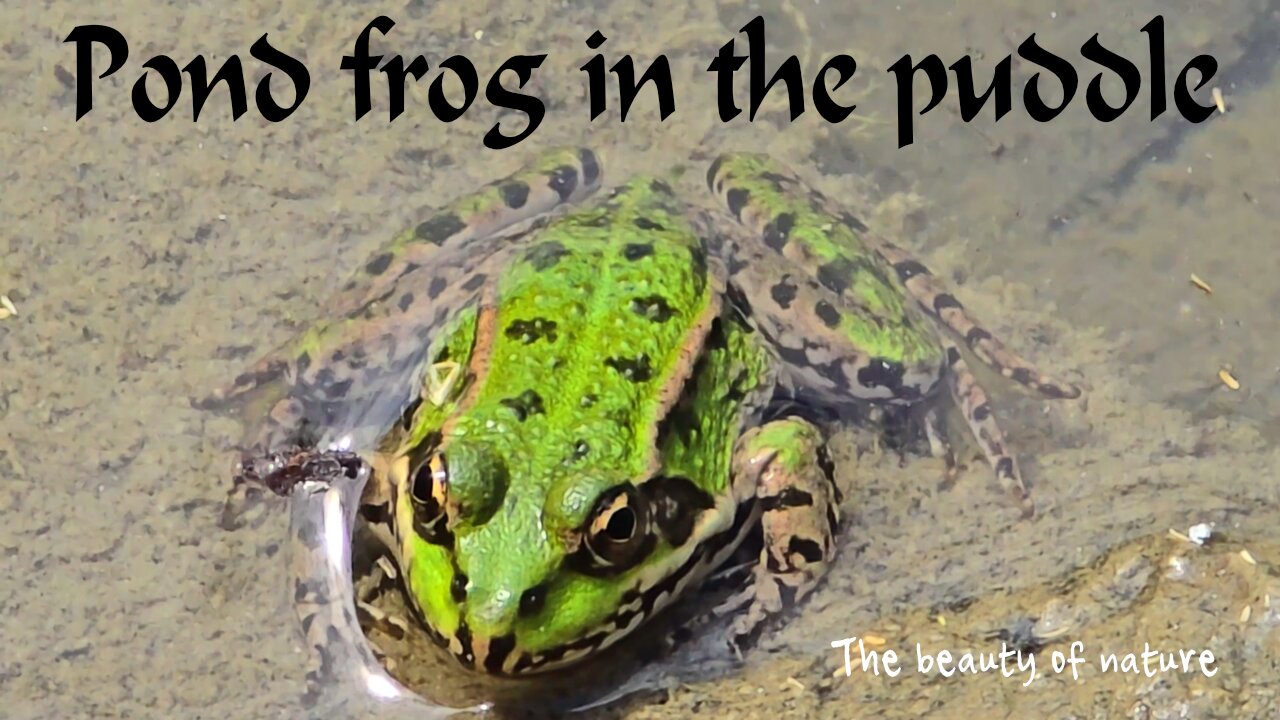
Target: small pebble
{"type": "Point", "coordinates": [1228, 379]}
{"type": "Point", "coordinates": [1200, 533]}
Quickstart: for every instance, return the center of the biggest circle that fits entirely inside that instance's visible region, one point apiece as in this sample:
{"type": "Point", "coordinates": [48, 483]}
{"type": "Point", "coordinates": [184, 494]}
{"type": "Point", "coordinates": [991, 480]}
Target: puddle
{"type": "Point", "coordinates": [150, 263]}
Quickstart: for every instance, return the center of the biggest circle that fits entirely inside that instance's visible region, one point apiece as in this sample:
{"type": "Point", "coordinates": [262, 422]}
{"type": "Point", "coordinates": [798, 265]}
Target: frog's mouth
{"type": "Point", "coordinates": [503, 655]}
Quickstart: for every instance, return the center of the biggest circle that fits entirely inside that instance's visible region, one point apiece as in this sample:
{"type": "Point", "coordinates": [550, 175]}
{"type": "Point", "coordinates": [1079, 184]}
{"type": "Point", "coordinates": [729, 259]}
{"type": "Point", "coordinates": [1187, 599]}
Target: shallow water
{"type": "Point", "coordinates": [150, 263]}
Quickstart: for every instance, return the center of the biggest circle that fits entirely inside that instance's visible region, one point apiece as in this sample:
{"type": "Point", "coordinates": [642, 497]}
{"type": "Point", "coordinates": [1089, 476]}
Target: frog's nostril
{"type": "Point", "coordinates": [533, 600]}
{"type": "Point", "coordinates": [492, 613]}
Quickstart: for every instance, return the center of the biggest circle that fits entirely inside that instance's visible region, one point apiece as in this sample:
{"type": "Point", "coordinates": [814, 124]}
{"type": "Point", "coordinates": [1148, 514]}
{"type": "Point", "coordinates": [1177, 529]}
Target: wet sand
{"type": "Point", "coordinates": [151, 263]}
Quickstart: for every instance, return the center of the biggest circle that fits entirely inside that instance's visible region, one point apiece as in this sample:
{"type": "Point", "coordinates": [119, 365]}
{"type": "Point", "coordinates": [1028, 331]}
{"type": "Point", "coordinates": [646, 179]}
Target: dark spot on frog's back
{"type": "Point", "coordinates": [379, 265]}
{"type": "Point", "coordinates": [777, 232]}
{"type": "Point", "coordinates": [836, 275]}
{"type": "Point", "coordinates": [637, 251]}
{"type": "Point", "coordinates": [827, 313]}
{"type": "Point", "coordinates": [644, 223]}
{"type": "Point", "coordinates": [564, 180]}
{"type": "Point", "coordinates": [531, 331]}
{"type": "Point", "coordinates": [637, 369]}
{"type": "Point", "coordinates": [908, 269]}
{"type": "Point", "coordinates": [440, 228]}
{"type": "Point", "coordinates": [437, 286]}
{"type": "Point", "coordinates": [653, 307]}
{"type": "Point", "coordinates": [514, 193]}
{"type": "Point", "coordinates": [662, 188]}
{"type": "Point", "coordinates": [778, 181]}
{"type": "Point", "coordinates": [881, 373]}
{"type": "Point", "coordinates": [783, 293]}
{"type": "Point", "coordinates": [545, 255]}
{"type": "Point", "coordinates": [406, 301]}
{"type": "Point", "coordinates": [525, 404]}
{"type": "Point", "coordinates": [475, 282]}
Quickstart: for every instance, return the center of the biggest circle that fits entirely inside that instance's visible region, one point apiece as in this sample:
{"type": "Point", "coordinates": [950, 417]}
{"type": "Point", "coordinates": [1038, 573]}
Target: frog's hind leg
{"type": "Point", "coordinates": [558, 177]}
{"type": "Point", "coordinates": [933, 297]}
{"type": "Point", "coordinates": [785, 463]}
{"type": "Point", "coordinates": [429, 260]}
{"type": "Point", "coordinates": [972, 400]}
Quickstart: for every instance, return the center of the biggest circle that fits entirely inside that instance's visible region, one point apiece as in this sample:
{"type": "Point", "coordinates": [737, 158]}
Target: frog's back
{"type": "Point", "coordinates": [594, 316]}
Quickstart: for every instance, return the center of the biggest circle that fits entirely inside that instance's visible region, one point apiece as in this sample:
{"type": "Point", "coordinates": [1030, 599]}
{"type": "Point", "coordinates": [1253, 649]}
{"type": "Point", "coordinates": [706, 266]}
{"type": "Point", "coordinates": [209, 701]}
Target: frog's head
{"type": "Point", "coordinates": [520, 565]}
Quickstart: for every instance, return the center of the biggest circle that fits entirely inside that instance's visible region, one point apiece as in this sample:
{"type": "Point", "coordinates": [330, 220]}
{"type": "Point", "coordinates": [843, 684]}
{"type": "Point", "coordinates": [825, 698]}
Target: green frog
{"type": "Point", "coordinates": [573, 414]}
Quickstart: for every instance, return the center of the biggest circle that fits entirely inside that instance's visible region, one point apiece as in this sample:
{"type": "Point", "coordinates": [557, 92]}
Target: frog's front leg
{"type": "Point", "coordinates": [785, 464]}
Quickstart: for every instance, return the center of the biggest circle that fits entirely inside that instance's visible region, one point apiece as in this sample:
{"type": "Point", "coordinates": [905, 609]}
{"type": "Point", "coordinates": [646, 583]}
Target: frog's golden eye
{"type": "Point", "coordinates": [617, 534]}
{"type": "Point", "coordinates": [429, 490]}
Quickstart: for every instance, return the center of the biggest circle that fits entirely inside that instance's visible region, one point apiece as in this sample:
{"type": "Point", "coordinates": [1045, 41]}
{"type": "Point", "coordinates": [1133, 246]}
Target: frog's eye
{"type": "Point", "coordinates": [429, 491]}
{"type": "Point", "coordinates": [617, 535]}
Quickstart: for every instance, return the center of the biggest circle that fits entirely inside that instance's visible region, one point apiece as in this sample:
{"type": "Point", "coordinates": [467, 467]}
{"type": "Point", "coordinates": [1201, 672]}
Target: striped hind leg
{"type": "Point", "coordinates": [972, 400]}
{"type": "Point", "coordinates": [937, 302]}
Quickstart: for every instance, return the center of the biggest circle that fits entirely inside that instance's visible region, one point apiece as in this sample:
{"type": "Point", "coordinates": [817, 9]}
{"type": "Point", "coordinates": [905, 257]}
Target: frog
{"type": "Point", "coordinates": [576, 407]}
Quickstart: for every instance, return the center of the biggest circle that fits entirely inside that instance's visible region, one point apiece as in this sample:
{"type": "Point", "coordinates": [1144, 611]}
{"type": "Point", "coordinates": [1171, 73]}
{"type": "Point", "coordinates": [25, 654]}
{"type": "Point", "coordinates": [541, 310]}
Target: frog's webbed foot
{"type": "Point", "coordinates": [785, 461]}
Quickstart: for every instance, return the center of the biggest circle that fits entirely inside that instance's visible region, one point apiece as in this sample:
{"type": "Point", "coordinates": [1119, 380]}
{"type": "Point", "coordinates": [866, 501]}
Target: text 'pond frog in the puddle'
{"type": "Point", "coordinates": [572, 417]}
